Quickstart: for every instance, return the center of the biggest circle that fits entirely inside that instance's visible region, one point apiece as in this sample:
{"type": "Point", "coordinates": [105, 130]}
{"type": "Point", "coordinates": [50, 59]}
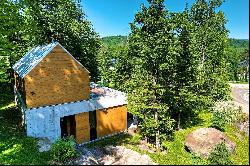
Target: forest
{"type": "Point", "coordinates": [173, 66]}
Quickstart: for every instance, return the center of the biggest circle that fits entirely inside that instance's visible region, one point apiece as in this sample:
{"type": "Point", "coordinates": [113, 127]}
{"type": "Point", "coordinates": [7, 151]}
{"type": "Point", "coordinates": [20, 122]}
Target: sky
{"type": "Point", "coordinates": [112, 17]}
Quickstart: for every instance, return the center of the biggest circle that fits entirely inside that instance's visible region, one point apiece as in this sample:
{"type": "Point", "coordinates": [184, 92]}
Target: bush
{"type": "Point", "coordinates": [135, 139]}
{"type": "Point", "coordinates": [220, 155]}
{"type": "Point", "coordinates": [227, 115]}
{"type": "Point", "coordinates": [165, 126]}
{"type": "Point", "coordinates": [218, 120]}
{"type": "Point", "coordinates": [64, 149]}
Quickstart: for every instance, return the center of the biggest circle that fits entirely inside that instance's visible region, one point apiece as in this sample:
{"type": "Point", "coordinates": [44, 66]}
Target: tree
{"type": "Point", "coordinates": [11, 37]}
{"type": "Point", "coordinates": [184, 100]}
{"type": "Point", "coordinates": [65, 22]}
{"type": "Point", "coordinates": [244, 65]}
{"type": "Point", "coordinates": [210, 36]}
{"type": "Point", "coordinates": [113, 66]}
{"type": "Point", "coordinates": [152, 54]}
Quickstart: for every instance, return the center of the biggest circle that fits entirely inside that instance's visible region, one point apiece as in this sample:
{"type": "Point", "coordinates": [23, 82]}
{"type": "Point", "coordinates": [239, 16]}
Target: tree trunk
{"type": "Point", "coordinates": [157, 134]}
{"type": "Point", "coordinates": [246, 72]}
{"type": "Point", "coordinates": [179, 121]}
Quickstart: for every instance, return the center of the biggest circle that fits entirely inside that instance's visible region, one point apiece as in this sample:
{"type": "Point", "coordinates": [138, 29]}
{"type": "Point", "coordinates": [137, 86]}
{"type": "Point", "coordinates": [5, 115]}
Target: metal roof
{"type": "Point", "coordinates": [34, 56]}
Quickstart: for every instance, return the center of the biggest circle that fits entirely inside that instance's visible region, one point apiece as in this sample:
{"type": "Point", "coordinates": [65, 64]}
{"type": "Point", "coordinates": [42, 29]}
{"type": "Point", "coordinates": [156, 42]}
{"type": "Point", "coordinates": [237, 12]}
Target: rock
{"type": "Point", "coordinates": [124, 156]}
{"type": "Point", "coordinates": [202, 141]}
{"type": "Point", "coordinates": [110, 155]}
{"type": "Point", "coordinates": [44, 145]}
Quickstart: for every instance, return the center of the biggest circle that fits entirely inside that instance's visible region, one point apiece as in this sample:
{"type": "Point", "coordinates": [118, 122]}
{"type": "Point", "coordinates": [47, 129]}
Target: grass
{"type": "Point", "coordinates": [176, 152]}
{"type": "Point", "coordinates": [15, 147]}
{"type": "Point", "coordinates": [18, 149]}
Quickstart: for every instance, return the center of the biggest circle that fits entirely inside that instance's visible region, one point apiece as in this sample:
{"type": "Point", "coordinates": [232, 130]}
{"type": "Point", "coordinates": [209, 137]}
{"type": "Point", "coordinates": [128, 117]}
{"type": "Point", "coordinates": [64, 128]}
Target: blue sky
{"type": "Point", "coordinates": [112, 17]}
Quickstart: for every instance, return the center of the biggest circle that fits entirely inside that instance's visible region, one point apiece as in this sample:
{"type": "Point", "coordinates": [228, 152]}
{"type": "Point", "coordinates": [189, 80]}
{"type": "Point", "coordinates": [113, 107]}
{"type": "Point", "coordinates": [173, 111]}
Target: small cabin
{"type": "Point", "coordinates": [57, 98]}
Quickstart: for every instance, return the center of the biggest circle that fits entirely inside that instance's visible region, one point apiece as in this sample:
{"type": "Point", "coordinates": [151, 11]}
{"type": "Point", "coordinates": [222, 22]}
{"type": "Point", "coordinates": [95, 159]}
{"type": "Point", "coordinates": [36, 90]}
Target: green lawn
{"type": "Point", "coordinates": [16, 148]}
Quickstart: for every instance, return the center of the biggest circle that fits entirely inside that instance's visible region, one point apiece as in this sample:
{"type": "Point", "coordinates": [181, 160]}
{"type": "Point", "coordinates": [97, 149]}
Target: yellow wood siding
{"type": "Point", "coordinates": [111, 121]}
{"type": "Point", "coordinates": [82, 127]}
{"type": "Point", "coordinates": [58, 78]}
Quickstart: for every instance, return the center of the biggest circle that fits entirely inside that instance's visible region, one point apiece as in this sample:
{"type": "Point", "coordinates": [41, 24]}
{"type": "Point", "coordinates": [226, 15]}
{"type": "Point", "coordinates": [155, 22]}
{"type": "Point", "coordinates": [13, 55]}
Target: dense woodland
{"type": "Point", "coordinates": [172, 65]}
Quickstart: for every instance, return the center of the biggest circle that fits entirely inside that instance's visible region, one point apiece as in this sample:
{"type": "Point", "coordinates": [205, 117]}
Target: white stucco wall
{"type": "Point", "coordinates": [45, 121]}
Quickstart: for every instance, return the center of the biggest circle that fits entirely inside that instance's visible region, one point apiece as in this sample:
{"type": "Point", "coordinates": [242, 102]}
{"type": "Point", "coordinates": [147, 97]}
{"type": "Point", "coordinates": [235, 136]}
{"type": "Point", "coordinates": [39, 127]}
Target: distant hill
{"type": "Point", "coordinates": [239, 43]}
{"type": "Point", "coordinates": [115, 40]}
{"type": "Point", "coordinates": [122, 40]}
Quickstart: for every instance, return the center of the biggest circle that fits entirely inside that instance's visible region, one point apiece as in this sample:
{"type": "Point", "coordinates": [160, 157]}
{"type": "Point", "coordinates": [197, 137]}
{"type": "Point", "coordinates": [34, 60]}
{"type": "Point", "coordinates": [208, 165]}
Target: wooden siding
{"type": "Point", "coordinates": [111, 121]}
{"type": "Point", "coordinates": [58, 78]}
{"type": "Point", "coordinates": [82, 127]}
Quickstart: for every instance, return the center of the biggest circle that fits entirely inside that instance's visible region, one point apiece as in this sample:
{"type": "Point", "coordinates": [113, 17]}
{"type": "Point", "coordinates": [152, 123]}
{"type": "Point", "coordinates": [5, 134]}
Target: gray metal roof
{"type": "Point", "coordinates": [32, 58]}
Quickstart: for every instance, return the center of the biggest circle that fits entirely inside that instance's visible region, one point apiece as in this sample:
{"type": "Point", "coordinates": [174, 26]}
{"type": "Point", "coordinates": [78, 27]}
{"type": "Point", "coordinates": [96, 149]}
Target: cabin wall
{"type": "Point", "coordinates": [111, 121]}
{"type": "Point", "coordinates": [82, 127]}
{"type": "Point", "coordinates": [58, 78]}
{"type": "Point", "coordinates": [45, 121]}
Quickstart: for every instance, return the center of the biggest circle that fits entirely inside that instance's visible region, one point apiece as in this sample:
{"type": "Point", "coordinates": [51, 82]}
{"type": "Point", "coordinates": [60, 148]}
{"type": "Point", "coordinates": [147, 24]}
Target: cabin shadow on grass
{"type": "Point", "coordinates": [15, 146]}
{"type": "Point", "coordinates": [6, 94]}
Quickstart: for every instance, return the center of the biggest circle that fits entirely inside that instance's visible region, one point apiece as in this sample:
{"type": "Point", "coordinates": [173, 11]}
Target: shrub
{"type": "Point", "coordinates": [220, 155]}
{"type": "Point", "coordinates": [227, 115]}
{"type": "Point", "coordinates": [135, 139]}
{"type": "Point", "coordinates": [218, 120]}
{"type": "Point", "coordinates": [165, 126]}
{"type": "Point", "coordinates": [64, 149]}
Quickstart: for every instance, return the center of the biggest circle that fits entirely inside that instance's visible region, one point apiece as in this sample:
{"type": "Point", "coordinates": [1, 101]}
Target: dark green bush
{"type": "Point", "coordinates": [64, 149]}
{"type": "Point", "coordinates": [218, 120]}
{"type": "Point", "coordinates": [220, 155]}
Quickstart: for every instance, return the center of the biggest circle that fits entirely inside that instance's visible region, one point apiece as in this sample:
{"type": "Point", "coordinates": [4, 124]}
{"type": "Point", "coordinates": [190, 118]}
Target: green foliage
{"type": "Point", "coordinates": [135, 139]}
{"type": "Point", "coordinates": [12, 41]}
{"type": "Point", "coordinates": [114, 40]}
{"type": "Point", "coordinates": [15, 147]}
{"type": "Point", "coordinates": [4, 67]}
{"type": "Point", "coordinates": [112, 66]}
{"type": "Point", "coordinates": [220, 155]}
{"type": "Point", "coordinates": [218, 120]}
{"type": "Point", "coordinates": [227, 116]}
{"type": "Point", "coordinates": [165, 127]}
{"type": "Point", "coordinates": [64, 21]}
{"type": "Point", "coordinates": [34, 22]}
{"type": "Point", "coordinates": [238, 62]}
{"type": "Point", "coordinates": [210, 46]}
{"type": "Point", "coordinates": [239, 43]}
{"type": "Point", "coordinates": [64, 149]}
{"type": "Point", "coordinates": [151, 57]}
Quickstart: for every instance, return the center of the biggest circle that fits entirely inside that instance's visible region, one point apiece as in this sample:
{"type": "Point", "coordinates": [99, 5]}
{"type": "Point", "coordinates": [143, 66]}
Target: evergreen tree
{"type": "Point", "coordinates": [152, 54]}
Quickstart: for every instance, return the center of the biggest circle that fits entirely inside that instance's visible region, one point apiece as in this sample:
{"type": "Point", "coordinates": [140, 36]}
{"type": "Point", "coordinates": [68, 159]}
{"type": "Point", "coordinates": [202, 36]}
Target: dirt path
{"type": "Point", "coordinates": [240, 94]}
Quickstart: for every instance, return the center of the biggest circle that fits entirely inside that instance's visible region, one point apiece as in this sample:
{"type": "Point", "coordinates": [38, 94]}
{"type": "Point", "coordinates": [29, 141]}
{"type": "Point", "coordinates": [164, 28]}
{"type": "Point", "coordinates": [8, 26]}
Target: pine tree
{"type": "Point", "coordinates": [152, 54]}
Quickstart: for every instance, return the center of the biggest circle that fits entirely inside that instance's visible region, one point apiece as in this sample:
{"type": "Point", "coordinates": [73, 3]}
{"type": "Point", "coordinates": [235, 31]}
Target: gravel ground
{"type": "Point", "coordinates": [110, 155]}
{"type": "Point", "coordinates": [240, 94]}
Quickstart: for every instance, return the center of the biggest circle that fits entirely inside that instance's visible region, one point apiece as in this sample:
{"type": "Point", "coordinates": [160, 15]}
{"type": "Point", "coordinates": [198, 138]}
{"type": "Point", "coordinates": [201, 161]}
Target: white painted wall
{"type": "Point", "coordinates": [45, 121]}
